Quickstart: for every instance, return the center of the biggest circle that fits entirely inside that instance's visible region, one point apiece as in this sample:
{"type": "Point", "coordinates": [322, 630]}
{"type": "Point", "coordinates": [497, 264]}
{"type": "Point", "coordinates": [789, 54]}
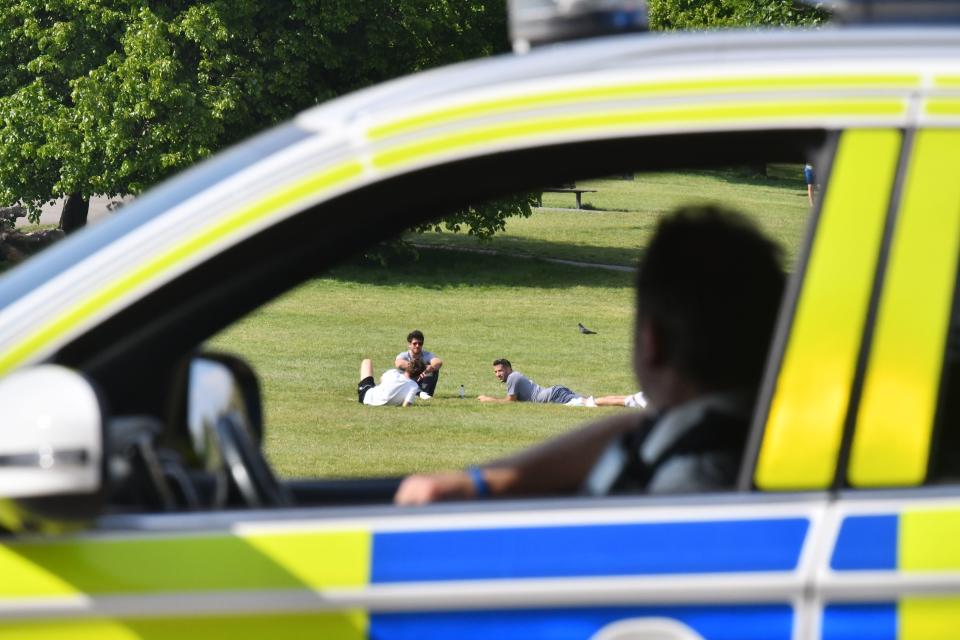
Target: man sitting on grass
{"type": "Point", "coordinates": [396, 387]}
{"type": "Point", "coordinates": [430, 374]}
{"type": "Point", "coordinates": [520, 388]}
{"type": "Point", "coordinates": [708, 293]}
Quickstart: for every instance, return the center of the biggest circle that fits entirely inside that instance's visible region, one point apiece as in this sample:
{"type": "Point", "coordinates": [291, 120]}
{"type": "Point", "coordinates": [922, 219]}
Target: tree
{"type": "Point", "coordinates": [111, 96]}
{"type": "Point", "coordinates": [703, 14]}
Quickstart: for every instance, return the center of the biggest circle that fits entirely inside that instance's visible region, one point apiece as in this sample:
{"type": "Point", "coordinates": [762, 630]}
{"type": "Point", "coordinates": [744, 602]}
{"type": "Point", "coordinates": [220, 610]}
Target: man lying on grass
{"type": "Point", "coordinates": [520, 388]}
{"type": "Point", "coordinates": [396, 387]}
{"type": "Point", "coordinates": [708, 293]}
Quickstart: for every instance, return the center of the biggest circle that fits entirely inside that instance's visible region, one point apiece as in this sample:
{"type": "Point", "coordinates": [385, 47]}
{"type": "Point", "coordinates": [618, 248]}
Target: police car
{"type": "Point", "coordinates": [846, 519]}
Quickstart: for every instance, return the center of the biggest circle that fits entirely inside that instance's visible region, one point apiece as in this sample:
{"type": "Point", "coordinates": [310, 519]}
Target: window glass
{"type": "Point", "coordinates": [522, 296]}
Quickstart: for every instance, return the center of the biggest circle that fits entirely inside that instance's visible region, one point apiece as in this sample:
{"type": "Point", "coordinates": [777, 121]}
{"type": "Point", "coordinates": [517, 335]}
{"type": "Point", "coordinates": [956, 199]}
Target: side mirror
{"type": "Point", "coordinates": [225, 424]}
{"type": "Point", "coordinates": [51, 434]}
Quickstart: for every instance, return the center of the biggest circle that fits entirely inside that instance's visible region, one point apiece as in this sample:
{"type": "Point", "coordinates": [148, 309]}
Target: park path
{"type": "Point", "coordinates": [99, 209]}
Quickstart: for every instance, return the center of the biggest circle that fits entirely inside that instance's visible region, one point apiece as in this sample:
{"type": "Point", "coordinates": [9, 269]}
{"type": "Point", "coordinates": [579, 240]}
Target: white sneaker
{"type": "Point", "coordinates": [636, 401]}
{"type": "Point", "coordinates": [425, 396]}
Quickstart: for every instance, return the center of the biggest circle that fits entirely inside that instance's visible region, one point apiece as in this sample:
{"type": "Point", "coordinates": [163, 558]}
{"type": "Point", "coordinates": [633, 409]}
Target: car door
{"type": "Point", "coordinates": [872, 377]}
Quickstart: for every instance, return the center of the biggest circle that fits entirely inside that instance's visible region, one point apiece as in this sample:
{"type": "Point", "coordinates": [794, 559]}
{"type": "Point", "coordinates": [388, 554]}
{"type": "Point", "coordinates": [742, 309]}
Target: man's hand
{"type": "Point", "coordinates": [422, 489]}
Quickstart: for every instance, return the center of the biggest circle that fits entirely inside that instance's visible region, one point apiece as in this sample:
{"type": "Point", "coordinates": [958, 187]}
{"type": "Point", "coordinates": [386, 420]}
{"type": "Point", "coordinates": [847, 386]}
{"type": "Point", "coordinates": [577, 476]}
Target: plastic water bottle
{"type": "Point", "coordinates": [461, 392]}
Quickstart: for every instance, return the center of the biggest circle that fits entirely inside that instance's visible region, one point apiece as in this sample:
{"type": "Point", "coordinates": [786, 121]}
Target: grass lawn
{"type": "Point", "coordinates": [624, 213]}
{"type": "Point", "coordinates": [474, 307]}
{"type": "Point", "coordinates": [307, 347]}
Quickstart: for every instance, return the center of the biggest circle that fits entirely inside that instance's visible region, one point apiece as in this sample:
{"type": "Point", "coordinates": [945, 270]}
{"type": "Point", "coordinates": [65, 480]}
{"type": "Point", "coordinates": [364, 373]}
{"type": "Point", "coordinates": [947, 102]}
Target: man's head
{"type": "Point", "coordinates": [415, 342]}
{"type": "Point", "coordinates": [708, 293]}
{"type": "Point", "coordinates": [502, 369]}
{"type": "Point", "coordinates": [415, 368]}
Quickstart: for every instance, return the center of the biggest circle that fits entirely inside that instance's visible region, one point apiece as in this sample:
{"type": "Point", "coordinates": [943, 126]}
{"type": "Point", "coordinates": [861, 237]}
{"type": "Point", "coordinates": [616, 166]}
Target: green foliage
{"type": "Point", "coordinates": [111, 96]}
{"type": "Point", "coordinates": [704, 14]}
{"type": "Point", "coordinates": [486, 219]}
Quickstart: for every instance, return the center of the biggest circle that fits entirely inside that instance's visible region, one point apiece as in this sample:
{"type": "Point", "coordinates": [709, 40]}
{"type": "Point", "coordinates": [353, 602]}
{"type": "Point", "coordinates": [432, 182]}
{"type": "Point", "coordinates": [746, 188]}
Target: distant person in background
{"type": "Point", "coordinates": [520, 388]}
{"type": "Point", "coordinates": [397, 388]}
{"type": "Point", "coordinates": [431, 364]}
{"type": "Point", "coordinates": [809, 178]}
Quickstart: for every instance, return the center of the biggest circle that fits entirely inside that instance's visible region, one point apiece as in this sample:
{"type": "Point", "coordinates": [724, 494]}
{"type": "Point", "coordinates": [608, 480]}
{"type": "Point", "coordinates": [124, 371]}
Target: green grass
{"type": "Point", "coordinates": [623, 214]}
{"type": "Point", "coordinates": [474, 307]}
{"type": "Point", "coordinates": [307, 348]}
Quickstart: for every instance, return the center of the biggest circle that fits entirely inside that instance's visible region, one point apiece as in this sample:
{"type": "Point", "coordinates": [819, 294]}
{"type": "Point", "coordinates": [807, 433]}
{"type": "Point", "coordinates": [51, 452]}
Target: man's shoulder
{"type": "Point", "coordinates": [697, 447]}
{"type": "Point", "coordinates": [405, 355]}
{"type": "Point", "coordinates": [393, 375]}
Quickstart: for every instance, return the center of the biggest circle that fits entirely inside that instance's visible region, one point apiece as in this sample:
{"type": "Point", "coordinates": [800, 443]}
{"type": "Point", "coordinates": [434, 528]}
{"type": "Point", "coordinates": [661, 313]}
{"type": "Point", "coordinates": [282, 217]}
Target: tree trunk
{"type": "Point", "coordinates": [74, 213]}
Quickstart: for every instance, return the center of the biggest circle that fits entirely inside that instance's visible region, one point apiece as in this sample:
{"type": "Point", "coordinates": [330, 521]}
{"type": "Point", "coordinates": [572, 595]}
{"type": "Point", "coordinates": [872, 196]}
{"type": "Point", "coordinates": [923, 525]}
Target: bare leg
{"type": "Point", "coordinates": [610, 401]}
{"type": "Point", "coordinates": [637, 400]}
{"type": "Point", "coordinates": [366, 368]}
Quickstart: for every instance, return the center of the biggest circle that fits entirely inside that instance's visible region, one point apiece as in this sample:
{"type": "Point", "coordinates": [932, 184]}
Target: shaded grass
{"type": "Point", "coordinates": [624, 213]}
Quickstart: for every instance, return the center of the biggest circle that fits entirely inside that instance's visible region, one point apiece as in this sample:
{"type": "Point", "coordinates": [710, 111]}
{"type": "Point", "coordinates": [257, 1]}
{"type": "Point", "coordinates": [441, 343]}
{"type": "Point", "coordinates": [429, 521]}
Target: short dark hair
{"type": "Point", "coordinates": [416, 333]}
{"type": "Point", "coordinates": [711, 285]}
{"type": "Point", "coordinates": [416, 367]}
{"type": "Point", "coordinates": [503, 362]}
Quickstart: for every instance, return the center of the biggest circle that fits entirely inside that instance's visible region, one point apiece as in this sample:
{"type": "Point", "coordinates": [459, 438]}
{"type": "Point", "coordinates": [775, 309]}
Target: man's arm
{"type": "Point", "coordinates": [492, 399]}
{"type": "Point", "coordinates": [559, 465]}
{"type": "Point", "coordinates": [434, 365]}
{"type": "Point", "coordinates": [401, 362]}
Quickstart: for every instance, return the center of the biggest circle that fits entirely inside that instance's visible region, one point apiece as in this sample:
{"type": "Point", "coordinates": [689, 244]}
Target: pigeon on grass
{"type": "Point", "coordinates": [584, 330]}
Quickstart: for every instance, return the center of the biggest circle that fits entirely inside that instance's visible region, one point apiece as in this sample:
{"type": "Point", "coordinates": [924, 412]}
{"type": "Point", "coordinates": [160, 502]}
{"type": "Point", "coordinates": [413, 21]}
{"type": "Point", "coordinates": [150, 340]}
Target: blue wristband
{"type": "Point", "coordinates": [480, 486]}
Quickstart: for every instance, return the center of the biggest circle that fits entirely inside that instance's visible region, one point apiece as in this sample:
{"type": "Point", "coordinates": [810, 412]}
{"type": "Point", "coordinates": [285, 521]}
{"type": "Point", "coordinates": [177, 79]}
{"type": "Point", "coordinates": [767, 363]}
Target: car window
{"type": "Point", "coordinates": [522, 296]}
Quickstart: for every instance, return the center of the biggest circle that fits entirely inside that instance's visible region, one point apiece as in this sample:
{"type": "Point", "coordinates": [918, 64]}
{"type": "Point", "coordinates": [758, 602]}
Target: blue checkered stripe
{"type": "Point", "coordinates": [604, 550]}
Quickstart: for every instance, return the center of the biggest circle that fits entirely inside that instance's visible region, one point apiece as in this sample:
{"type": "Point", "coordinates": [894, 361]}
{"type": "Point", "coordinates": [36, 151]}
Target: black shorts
{"type": "Point", "coordinates": [365, 385]}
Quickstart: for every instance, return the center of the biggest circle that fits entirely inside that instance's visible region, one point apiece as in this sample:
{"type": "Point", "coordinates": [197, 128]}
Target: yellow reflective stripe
{"type": "Point", "coordinates": [634, 90]}
{"type": "Point", "coordinates": [617, 120]}
{"type": "Point", "coordinates": [810, 400]}
{"type": "Point", "coordinates": [942, 106]}
{"type": "Point", "coordinates": [346, 625]}
{"type": "Point", "coordinates": [310, 560]}
{"type": "Point", "coordinates": [895, 419]}
{"type": "Point", "coordinates": [928, 618]}
{"type": "Point", "coordinates": [927, 540]}
{"type": "Point", "coordinates": [130, 282]}
{"type": "Point", "coordinates": [947, 81]}
{"type": "Point", "coordinates": [10, 516]}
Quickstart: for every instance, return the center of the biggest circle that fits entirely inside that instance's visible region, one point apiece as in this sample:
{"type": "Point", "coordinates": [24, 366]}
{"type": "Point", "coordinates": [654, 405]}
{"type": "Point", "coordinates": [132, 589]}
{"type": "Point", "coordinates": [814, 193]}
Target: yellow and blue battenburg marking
{"type": "Point", "coordinates": [914, 543]}
{"type": "Point", "coordinates": [641, 549]}
{"type": "Point", "coordinates": [279, 564]}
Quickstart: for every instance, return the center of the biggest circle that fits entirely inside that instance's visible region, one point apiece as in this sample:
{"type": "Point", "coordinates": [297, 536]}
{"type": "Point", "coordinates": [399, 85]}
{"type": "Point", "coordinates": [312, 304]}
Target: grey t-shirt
{"type": "Point", "coordinates": [426, 356]}
{"type": "Point", "coordinates": [526, 390]}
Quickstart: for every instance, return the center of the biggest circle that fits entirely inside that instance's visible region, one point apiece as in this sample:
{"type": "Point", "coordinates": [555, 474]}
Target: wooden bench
{"type": "Point", "coordinates": [576, 190]}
